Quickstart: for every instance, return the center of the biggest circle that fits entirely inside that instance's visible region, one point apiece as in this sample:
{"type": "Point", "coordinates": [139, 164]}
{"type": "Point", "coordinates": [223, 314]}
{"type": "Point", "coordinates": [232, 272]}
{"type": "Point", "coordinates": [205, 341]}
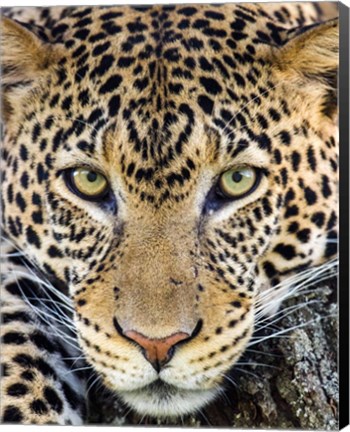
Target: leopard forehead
{"type": "Point", "coordinates": [158, 79]}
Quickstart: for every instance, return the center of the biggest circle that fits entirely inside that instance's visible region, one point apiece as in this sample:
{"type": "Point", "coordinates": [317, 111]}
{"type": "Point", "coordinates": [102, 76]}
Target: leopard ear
{"type": "Point", "coordinates": [25, 54]}
{"type": "Point", "coordinates": [310, 59]}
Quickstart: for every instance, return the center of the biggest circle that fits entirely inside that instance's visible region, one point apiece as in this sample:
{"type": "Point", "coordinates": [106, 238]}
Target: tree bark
{"type": "Point", "coordinates": [290, 382]}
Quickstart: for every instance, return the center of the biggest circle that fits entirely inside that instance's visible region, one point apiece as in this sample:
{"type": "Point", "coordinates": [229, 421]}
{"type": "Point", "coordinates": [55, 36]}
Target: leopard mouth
{"type": "Point", "coordinates": [163, 400]}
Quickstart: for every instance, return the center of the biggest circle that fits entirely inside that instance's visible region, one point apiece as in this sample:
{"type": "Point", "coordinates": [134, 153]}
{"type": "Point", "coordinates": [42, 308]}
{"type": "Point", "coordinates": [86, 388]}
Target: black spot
{"type": "Point", "coordinates": [304, 235]}
{"type": "Point", "coordinates": [238, 24]}
{"type": "Point", "coordinates": [79, 51]}
{"type": "Point", "coordinates": [43, 367]}
{"type": "Point", "coordinates": [310, 196]}
{"type": "Point", "coordinates": [82, 23]}
{"type": "Point", "coordinates": [285, 137]}
{"type": "Point", "coordinates": [100, 49]}
{"type": "Point", "coordinates": [38, 407]}
{"type": "Point", "coordinates": [211, 85]}
{"type": "Point", "coordinates": [290, 195]}
{"type": "Point", "coordinates": [173, 178]}
{"type": "Point", "coordinates": [284, 176]}
{"type": "Point", "coordinates": [293, 227]}
{"type": "Point", "coordinates": [59, 29]}
{"type": "Point", "coordinates": [111, 84]}
{"type": "Point", "coordinates": [14, 338]}
{"type": "Point", "coordinates": [111, 28]}
{"type": "Point", "coordinates": [23, 153]}
{"type": "Point", "coordinates": [12, 414]}
{"type": "Point", "coordinates": [10, 193]}
{"type": "Point", "coordinates": [332, 221]}
{"type": "Point", "coordinates": [205, 65]}
{"type": "Point", "coordinates": [236, 304]}
{"type": "Point", "coordinates": [15, 316]}
{"type": "Point", "coordinates": [269, 269]}
{"type": "Point", "coordinates": [36, 132]}
{"type": "Point", "coordinates": [193, 44]}
{"type": "Point", "coordinates": [277, 156]}
{"type": "Point", "coordinates": [110, 15]}
{"type": "Point", "coordinates": [214, 15]}
{"type": "Point", "coordinates": [54, 100]}
{"type": "Point", "coordinates": [53, 399]}
{"type": "Point", "coordinates": [54, 252]}
{"type": "Point", "coordinates": [21, 202]}
{"type": "Point", "coordinates": [84, 97]}
{"type": "Point", "coordinates": [42, 342]}
{"type": "Point", "coordinates": [141, 84]}
{"type": "Point", "coordinates": [175, 88]}
{"type": "Point", "coordinates": [263, 36]}
{"type": "Point", "coordinates": [32, 237]}
{"type": "Point", "coordinates": [125, 62]}
{"type": "Point", "coordinates": [187, 11]}
{"type": "Point", "coordinates": [17, 390]}
{"type": "Point", "coordinates": [95, 115]}
{"type": "Point", "coordinates": [275, 115]}
{"type": "Point", "coordinates": [318, 219]}
{"type": "Point", "coordinates": [262, 121]}
{"type": "Point", "coordinates": [105, 64]}
{"type": "Point", "coordinates": [28, 375]}
{"type": "Point", "coordinates": [237, 35]}
{"type": "Point", "coordinates": [326, 190]}
{"type": "Point", "coordinates": [232, 323]}
{"type": "Point", "coordinates": [36, 200]}
{"type": "Point", "coordinates": [41, 172]}
{"type": "Point", "coordinates": [66, 103]}
{"type": "Point", "coordinates": [285, 250]}
{"type": "Point", "coordinates": [311, 158]}
{"type": "Point", "coordinates": [82, 34]}
{"type": "Point", "coordinates": [24, 360]}
{"type": "Point", "coordinates": [296, 158]}
{"type": "Point", "coordinates": [114, 105]}
{"type": "Point", "coordinates": [4, 370]}
{"type": "Point", "coordinates": [37, 217]}
{"type": "Point", "coordinates": [135, 27]}
{"type": "Point", "coordinates": [206, 104]}
{"type": "Point", "coordinates": [240, 81]}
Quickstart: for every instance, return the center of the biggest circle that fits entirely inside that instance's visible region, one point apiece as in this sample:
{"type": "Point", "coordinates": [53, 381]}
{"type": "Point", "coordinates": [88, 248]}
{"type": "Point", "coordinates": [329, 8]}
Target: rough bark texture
{"type": "Point", "coordinates": [296, 387]}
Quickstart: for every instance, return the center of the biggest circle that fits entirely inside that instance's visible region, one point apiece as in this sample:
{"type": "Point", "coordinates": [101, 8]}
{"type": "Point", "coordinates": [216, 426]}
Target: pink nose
{"type": "Point", "coordinates": [157, 351]}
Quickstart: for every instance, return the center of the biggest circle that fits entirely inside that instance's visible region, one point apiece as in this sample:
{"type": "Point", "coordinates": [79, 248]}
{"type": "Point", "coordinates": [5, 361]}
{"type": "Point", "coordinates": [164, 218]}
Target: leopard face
{"type": "Point", "coordinates": [164, 110]}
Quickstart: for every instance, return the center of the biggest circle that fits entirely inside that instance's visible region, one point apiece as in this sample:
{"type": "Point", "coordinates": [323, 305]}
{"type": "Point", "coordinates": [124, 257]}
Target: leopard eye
{"type": "Point", "coordinates": [238, 182]}
{"type": "Point", "coordinates": [87, 184]}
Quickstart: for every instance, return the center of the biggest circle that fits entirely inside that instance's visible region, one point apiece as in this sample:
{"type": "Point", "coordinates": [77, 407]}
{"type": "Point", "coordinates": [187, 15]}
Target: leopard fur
{"type": "Point", "coordinates": [162, 100]}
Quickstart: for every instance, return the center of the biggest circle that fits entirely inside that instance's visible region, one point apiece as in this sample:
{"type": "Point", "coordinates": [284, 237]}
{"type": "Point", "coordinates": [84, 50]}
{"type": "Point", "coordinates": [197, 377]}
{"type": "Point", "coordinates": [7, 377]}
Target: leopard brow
{"type": "Point", "coordinates": [248, 157]}
{"type": "Point", "coordinates": [80, 162]}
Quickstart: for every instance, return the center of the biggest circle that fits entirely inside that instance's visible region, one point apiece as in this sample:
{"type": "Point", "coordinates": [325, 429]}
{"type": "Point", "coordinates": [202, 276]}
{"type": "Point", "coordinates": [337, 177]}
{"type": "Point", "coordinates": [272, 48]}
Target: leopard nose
{"type": "Point", "coordinates": [157, 351]}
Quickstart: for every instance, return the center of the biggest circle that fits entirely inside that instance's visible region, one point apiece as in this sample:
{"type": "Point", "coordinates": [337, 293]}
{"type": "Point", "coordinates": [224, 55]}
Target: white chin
{"type": "Point", "coordinates": [166, 401]}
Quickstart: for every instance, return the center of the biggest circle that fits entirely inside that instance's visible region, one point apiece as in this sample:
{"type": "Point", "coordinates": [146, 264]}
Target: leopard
{"type": "Point", "coordinates": [163, 167]}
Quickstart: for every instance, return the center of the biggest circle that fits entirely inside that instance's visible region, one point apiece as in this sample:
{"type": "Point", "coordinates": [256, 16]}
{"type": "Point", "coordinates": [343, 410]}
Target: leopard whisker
{"type": "Point", "coordinates": [258, 339]}
{"type": "Point", "coordinates": [256, 364]}
{"type": "Point", "coordinates": [260, 352]}
{"type": "Point", "coordinates": [283, 313]}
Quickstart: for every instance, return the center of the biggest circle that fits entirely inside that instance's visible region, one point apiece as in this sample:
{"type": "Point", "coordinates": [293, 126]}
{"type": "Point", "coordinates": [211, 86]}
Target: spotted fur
{"type": "Point", "coordinates": [161, 100]}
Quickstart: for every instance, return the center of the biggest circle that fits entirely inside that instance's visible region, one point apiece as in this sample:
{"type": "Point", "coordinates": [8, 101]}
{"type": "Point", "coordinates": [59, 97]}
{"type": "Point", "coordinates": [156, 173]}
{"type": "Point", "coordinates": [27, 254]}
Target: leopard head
{"type": "Point", "coordinates": [166, 164]}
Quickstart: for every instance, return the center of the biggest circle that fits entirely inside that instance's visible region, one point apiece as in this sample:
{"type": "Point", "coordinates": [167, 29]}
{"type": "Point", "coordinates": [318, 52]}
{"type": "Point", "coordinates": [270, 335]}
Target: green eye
{"type": "Point", "coordinates": [238, 182]}
{"type": "Point", "coordinates": [87, 184]}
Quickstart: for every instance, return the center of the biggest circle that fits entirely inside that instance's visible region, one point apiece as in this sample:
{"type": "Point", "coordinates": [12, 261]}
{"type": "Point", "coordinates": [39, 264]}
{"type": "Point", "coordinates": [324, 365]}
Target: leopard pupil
{"type": "Point", "coordinates": [91, 177]}
{"type": "Point", "coordinates": [237, 177]}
